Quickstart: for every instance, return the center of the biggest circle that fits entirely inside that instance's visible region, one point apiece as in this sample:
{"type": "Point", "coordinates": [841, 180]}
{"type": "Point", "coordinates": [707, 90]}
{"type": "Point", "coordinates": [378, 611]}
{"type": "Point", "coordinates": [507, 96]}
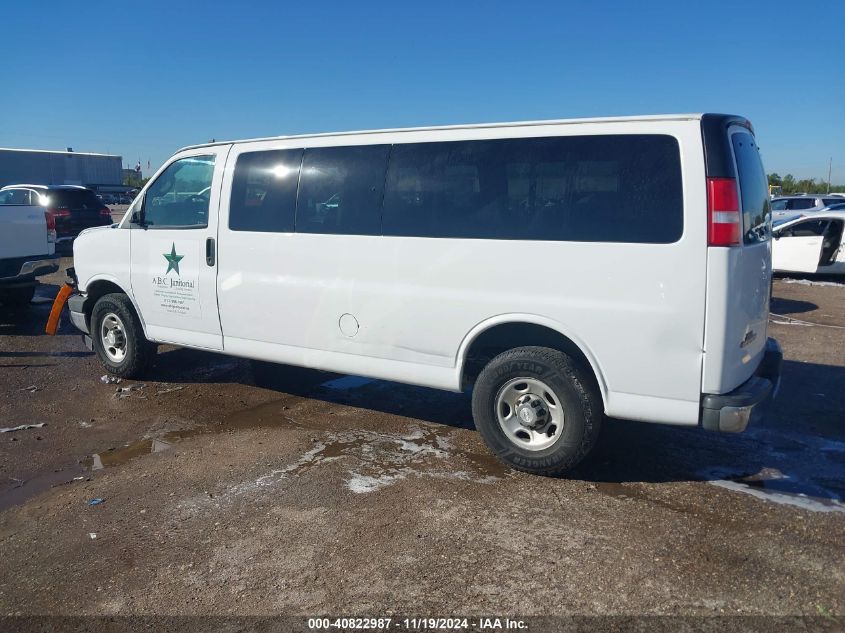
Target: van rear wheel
{"type": "Point", "coordinates": [119, 338]}
{"type": "Point", "coordinates": [537, 409]}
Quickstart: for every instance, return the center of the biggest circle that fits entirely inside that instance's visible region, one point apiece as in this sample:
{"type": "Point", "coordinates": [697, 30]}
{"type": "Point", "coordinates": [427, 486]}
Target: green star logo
{"type": "Point", "coordinates": [173, 260]}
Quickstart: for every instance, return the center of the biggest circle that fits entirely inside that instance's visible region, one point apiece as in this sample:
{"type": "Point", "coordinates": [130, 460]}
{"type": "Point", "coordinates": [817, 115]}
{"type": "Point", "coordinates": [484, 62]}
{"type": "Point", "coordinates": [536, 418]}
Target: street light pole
{"type": "Point", "coordinates": [829, 168]}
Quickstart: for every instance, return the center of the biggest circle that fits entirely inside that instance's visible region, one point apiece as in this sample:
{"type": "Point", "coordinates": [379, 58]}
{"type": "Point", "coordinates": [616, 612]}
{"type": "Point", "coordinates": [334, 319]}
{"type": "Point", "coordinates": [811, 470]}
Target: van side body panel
{"type": "Point", "coordinates": [636, 310]}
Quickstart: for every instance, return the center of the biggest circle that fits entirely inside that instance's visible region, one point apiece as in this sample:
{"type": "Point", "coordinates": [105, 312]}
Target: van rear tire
{"type": "Point", "coordinates": [118, 337]}
{"type": "Point", "coordinates": [537, 409]}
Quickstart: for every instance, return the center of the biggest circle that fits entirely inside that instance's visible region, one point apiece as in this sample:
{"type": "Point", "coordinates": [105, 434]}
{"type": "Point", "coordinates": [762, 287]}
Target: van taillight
{"type": "Point", "coordinates": [723, 220]}
{"type": "Point", "coordinates": [51, 225]}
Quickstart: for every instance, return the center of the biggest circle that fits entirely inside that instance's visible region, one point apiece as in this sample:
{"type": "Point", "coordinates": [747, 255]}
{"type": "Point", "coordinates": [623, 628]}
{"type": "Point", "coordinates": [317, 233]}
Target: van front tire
{"type": "Point", "coordinates": [537, 409]}
{"type": "Point", "coordinates": [118, 337]}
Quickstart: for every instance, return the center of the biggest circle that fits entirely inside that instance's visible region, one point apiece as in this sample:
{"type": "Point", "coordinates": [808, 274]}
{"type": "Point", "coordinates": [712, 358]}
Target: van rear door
{"type": "Point", "coordinates": [739, 261]}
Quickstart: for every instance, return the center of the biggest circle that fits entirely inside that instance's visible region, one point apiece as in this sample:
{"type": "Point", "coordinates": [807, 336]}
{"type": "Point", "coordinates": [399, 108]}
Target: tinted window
{"type": "Point", "coordinates": [180, 195]}
{"type": "Point", "coordinates": [810, 228]}
{"type": "Point", "coordinates": [14, 197]}
{"type": "Point", "coordinates": [753, 187]}
{"type": "Point", "coordinates": [264, 191]}
{"type": "Point", "coordinates": [797, 204]}
{"type": "Point", "coordinates": [591, 188]}
{"type": "Point", "coordinates": [779, 205]}
{"type": "Point", "coordinates": [341, 190]}
{"type": "Point", "coordinates": [81, 199]}
{"type": "Point", "coordinates": [829, 201]}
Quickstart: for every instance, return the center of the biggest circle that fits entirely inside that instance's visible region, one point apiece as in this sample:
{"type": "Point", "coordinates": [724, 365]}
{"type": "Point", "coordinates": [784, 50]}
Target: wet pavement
{"type": "Point", "coordinates": [343, 494]}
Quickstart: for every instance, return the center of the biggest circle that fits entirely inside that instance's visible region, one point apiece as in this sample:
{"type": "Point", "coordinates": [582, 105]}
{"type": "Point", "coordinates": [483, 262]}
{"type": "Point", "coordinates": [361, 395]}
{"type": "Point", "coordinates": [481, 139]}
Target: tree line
{"type": "Point", "coordinates": [806, 185]}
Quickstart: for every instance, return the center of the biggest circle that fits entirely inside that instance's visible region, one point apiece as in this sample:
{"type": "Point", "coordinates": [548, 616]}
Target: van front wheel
{"type": "Point", "coordinates": [537, 410]}
{"type": "Point", "coordinates": [119, 338]}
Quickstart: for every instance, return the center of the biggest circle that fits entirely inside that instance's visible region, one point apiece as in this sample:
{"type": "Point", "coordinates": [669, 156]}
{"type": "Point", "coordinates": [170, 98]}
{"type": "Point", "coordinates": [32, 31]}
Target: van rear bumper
{"type": "Point", "coordinates": [730, 412]}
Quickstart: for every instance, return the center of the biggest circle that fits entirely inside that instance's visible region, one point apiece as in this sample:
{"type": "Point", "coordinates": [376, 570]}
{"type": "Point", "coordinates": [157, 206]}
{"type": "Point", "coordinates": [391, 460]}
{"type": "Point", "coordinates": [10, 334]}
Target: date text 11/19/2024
{"type": "Point", "coordinates": [417, 624]}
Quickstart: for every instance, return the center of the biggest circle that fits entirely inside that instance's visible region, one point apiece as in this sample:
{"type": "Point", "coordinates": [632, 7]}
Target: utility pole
{"type": "Point", "coordinates": [829, 168]}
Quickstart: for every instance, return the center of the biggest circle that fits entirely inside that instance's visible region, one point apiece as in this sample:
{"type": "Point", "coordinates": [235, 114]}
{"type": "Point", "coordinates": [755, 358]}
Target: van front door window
{"type": "Point", "coordinates": [180, 195]}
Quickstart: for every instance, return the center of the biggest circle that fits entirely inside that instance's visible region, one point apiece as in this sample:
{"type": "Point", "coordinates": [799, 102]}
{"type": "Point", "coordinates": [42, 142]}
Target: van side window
{"type": "Point", "coordinates": [264, 191]}
{"type": "Point", "coordinates": [180, 195]}
{"type": "Point", "coordinates": [341, 190]}
{"type": "Point", "coordinates": [15, 197]}
{"type": "Point", "coordinates": [611, 188]}
{"type": "Point", "coordinates": [753, 187]}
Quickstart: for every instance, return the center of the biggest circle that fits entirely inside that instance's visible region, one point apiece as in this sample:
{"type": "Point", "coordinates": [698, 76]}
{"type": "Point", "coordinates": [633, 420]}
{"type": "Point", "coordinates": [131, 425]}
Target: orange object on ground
{"type": "Point", "coordinates": [56, 310]}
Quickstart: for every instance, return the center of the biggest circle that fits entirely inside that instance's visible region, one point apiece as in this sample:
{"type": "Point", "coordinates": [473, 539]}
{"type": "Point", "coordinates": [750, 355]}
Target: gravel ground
{"type": "Point", "coordinates": [349, 496]}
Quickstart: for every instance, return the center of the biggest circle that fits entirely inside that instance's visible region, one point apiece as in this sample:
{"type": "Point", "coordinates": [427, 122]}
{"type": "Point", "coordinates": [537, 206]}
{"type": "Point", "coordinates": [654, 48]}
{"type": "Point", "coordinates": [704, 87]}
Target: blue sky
{"type": "Point", "coordinates": [142, 79]}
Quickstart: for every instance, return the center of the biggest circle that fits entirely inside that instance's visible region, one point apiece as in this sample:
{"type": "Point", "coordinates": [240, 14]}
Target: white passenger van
{"type": "Point", "coordinates": [564, 270]}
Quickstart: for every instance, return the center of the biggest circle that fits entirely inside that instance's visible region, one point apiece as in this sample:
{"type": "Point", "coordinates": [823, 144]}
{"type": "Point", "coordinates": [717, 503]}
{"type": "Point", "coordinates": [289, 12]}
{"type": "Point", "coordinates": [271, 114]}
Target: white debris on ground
{"type": "Point", "coordinates": [22, 427]}
{"type": "Point", "coordinates": [796, 482]}
{"type": "Point", "coordinates": [376, 460]}
{"type": "Point", "coordinates": [30, 389]}
{"type": "Point", "coordinates": [790, 499]}
{"type": "Point", "coordinates": [808, 282]}
{"type": "Point", "coordinates": [110, 380]}
{"type": "Point", "coordinates": [361, 484]}
{"type": "Point", "coordinates": [169, 389]}
{"type": "Point", "coordinates": [125, 392]}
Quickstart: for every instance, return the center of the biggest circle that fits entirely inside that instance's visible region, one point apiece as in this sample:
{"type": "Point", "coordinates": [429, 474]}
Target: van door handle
{"type": "Point", "coordinates": [209, 251]}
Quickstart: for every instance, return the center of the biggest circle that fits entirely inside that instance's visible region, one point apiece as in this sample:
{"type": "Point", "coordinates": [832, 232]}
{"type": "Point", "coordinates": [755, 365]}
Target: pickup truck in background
{"type": "Point", "coordinates": [27, 245]}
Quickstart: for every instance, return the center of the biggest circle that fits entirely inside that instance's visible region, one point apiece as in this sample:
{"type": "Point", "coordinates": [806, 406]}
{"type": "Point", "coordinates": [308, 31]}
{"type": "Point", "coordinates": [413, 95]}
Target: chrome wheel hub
{"type": "Point", "coordinates": [113, 337]}
{"type": "Point", "coordinates": [529, 413]}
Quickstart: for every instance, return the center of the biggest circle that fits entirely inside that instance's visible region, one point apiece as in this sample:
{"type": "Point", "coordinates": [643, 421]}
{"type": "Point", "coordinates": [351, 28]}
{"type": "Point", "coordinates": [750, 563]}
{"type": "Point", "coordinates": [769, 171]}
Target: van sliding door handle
{"type": "Point", "coordinates": [209, 251]}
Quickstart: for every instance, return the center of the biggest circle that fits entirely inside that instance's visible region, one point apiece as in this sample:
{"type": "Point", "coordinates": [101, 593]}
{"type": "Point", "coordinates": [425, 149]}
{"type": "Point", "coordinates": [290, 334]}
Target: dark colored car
{"type": "Point", "coordinates": [74, 209]}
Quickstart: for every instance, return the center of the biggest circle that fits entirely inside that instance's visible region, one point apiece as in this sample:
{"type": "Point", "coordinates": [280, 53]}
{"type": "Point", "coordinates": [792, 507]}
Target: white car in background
{"type": "Point", "coordinates": [27, 244]}
{"type": "Point", "coordinates": [788, 206]}
{"type": "Point", "coordinates": [810, 243]}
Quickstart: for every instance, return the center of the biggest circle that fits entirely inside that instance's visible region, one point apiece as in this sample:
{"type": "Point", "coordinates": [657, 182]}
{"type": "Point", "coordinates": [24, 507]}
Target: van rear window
{"type": "Point", "coordinates": [753, 187]}
{"type": "Point", "coordinates": [609, 188]}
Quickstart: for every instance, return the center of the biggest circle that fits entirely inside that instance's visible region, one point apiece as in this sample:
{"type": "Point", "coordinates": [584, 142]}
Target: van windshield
{"type": "Point", "coordinates": [754, 189]}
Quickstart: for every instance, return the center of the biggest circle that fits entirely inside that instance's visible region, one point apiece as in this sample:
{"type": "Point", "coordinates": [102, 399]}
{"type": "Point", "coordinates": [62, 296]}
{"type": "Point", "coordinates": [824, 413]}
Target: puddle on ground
{"type": "Point", "coordinates": [377, 459]}
{"type": "Point", "coordinates": [267, 415]}
{"type": "Point", "coordinates": [770, 484]}
{"type": "Point", "coordinates": [20, 491]}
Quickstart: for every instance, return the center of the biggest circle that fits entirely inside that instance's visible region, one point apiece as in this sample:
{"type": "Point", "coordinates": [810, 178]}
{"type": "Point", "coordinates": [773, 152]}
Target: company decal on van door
{"type": "Point", "coordinates": [176, 290]}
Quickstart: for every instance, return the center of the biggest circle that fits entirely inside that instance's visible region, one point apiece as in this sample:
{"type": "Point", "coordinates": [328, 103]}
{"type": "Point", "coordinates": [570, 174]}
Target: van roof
{"type": "Point", "coordinates": [620, 119]}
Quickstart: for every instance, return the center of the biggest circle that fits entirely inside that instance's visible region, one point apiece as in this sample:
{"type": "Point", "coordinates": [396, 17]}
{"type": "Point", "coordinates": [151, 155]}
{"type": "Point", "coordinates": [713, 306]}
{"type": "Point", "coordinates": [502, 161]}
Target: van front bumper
{"type": "Point", "coordinates": [730, 412]}
{"type": "Point", "coordinates": [76, 310]}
